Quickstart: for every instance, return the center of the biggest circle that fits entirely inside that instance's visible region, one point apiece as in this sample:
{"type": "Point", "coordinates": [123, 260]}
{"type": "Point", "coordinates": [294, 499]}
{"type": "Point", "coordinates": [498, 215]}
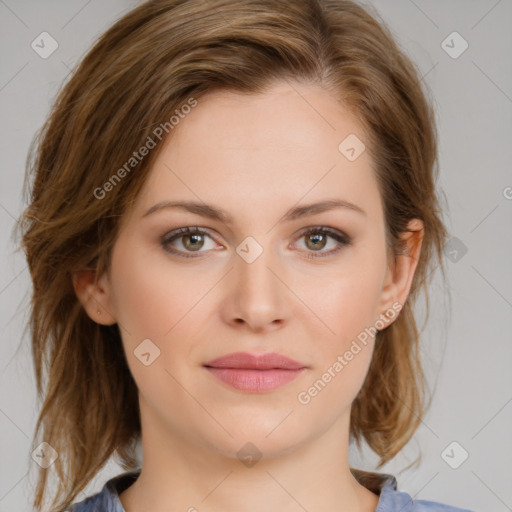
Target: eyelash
{"type": "Point", "coordinates": [343, 240]}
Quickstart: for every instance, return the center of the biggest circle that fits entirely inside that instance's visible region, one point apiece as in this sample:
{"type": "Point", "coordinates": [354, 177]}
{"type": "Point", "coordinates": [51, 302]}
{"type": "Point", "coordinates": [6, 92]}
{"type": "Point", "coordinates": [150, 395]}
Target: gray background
{"type": "Point", "coordinates": [467, 353]}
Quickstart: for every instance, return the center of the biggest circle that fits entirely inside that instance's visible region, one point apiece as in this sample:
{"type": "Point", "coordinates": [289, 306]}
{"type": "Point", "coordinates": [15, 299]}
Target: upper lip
{"type": "Point", "coordinates": [248, 361]}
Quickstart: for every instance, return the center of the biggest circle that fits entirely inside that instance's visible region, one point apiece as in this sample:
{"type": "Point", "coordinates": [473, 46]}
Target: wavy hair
{"type": "Point", "coordinates": [149, 64]}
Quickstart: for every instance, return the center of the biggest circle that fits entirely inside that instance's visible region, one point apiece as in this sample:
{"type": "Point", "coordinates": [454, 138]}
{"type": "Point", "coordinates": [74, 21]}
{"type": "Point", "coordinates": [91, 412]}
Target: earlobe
{"type": "Point", "coordinates": [400, 275]}
{"type": "Point", "coordinates": [94, 295]}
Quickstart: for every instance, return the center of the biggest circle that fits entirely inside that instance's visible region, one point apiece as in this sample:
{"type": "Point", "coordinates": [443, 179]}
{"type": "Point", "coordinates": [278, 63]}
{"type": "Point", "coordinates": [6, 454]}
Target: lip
{"type": "Point", "coordinates": [255, 373]}
{"type": "Point", "coordinates": [246, 361]}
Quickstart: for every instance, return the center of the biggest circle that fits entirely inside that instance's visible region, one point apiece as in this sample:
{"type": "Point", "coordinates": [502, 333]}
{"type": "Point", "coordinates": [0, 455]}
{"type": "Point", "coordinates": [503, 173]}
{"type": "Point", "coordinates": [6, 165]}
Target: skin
{"type": "Point", "coordinates": [255, 157]}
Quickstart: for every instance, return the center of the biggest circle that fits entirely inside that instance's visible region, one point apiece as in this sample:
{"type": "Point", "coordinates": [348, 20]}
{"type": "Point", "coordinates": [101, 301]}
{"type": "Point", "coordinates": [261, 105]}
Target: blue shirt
{"type": "Point", "coordinates": [382, 484]}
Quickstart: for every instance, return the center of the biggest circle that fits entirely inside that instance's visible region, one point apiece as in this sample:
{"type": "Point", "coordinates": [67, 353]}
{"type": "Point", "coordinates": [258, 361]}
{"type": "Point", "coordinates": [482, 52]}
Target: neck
{"type": "Point", "coordinates": [179, 473]}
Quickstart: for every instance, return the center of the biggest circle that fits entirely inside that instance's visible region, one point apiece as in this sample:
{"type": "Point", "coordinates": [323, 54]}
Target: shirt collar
{"type": "Point", "coordinates": [375, 482]}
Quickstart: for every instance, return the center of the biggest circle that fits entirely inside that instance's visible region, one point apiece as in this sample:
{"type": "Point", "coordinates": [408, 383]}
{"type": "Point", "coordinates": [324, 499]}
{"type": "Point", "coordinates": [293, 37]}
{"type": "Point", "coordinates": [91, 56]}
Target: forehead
{"type": "Point", "coordinates": [286, 117]}
{"type": "Point", "coordinates": [278, 146]}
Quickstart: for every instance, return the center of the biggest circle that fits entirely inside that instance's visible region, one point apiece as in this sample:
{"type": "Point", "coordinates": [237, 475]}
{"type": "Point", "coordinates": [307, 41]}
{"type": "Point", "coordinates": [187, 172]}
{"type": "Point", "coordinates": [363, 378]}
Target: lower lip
{"type": "Point", "coordinates": [254, 381]}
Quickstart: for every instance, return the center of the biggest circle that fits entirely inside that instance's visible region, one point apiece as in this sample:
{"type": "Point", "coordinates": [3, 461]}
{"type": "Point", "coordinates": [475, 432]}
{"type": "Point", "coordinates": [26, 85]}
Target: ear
{"type": "Point", "coordinates": [400, 273]}
{"type": "Point", "coordinates": [94, 295]}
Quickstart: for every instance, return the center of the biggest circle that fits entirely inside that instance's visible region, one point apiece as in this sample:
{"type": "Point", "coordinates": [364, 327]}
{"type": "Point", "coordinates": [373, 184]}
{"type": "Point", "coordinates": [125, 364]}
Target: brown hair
{"type": "Point", "coordinates": [149, 64]}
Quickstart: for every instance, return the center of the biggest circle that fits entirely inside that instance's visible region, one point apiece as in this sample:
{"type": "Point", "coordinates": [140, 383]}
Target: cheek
{"type": "Point", "coordinates": [342, 356]}
{"type": "Point", "coordinates": [151, 303]}
{"type": "Point", "coordinates": [348, 299]}
{"type": "Point", "coordinates": [347, 302]}
{"type": "Point", "coordinates": [150, 298]}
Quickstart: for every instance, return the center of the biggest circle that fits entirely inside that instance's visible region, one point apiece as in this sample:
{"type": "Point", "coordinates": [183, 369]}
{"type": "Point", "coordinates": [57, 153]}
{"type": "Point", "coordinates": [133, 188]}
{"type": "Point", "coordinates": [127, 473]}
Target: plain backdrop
{"type": "Point", "coordinates": [465, 439]}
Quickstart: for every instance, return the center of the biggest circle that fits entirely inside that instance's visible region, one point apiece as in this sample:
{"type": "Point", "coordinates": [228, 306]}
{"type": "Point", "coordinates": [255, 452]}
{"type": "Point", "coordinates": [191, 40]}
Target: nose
{"type": "Point", "coordinates": [257, 294]}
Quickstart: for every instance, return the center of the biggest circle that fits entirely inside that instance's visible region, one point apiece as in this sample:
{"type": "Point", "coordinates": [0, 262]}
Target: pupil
{"type": "Point", "coordinates": [195, 238]}
{"type": "Point", "coordinates": [316, 240]}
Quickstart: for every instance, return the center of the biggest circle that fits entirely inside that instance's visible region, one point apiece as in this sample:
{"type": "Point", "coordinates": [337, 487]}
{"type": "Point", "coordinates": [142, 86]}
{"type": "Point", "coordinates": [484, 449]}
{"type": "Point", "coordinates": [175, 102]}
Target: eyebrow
{"type": "Point", "coordinates": [215, 213]}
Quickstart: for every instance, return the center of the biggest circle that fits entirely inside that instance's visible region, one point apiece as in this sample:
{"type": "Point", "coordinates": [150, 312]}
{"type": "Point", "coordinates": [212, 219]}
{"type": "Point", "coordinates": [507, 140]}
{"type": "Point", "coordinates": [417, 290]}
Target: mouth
{"type": "Point", "coordinates": [255, 374]}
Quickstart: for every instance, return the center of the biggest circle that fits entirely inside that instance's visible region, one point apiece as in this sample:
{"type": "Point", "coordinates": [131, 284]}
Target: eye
{"type": "Point", "coordinates": [190, 238]}
{"type": "Point", "coordinates": [317, 238]}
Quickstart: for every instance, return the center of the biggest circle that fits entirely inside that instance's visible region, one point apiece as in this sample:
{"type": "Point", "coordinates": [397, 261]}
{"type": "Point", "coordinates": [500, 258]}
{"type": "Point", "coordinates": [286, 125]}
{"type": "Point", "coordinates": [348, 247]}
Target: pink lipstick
{"type": "Point", "coordinates": [255, 374]}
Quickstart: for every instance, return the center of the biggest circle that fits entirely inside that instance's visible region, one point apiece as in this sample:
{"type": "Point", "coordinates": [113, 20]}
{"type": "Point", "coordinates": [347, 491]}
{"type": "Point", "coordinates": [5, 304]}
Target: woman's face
{"type": "Point", "coordinates": [259, 281]}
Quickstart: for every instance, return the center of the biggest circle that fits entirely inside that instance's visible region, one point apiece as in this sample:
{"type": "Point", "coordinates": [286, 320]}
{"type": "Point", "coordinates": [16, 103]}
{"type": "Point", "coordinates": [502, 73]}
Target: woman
{"type": "Point", "coordinates": [232, 213]}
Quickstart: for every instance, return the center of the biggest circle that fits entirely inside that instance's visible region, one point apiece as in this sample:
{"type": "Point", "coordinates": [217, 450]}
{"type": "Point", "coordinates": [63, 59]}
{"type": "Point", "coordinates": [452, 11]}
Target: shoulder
{"type": "Point", "coordinates": [102, 501]}
{"type": "Point", "coordinates": [392, 500]}
{"type": "Point", "coordinates": [107, 500]}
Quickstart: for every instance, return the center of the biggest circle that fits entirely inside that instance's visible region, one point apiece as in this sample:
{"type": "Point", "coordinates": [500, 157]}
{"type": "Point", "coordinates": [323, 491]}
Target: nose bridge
{"type": "Point", "coordinates": [257, 289]}
{"type": "Point", "coordinates": [254, 260]}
